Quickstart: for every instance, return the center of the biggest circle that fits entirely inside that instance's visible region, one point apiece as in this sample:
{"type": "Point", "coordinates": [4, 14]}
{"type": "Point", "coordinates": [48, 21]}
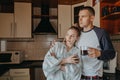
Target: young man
{"type": "Point", "coordinates": [99, 43]}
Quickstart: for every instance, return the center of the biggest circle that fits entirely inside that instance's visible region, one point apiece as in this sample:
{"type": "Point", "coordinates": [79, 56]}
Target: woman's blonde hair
{"type": "Point", "coordinates": [78, 30]}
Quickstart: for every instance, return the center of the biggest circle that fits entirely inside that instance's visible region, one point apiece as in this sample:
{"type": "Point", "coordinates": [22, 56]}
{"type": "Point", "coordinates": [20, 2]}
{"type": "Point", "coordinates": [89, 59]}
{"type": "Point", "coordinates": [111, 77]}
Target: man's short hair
{"type": "Point", "coordinates": [90, 9]}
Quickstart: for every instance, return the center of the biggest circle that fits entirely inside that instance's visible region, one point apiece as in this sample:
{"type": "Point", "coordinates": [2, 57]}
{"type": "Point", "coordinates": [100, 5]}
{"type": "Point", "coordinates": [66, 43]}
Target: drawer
{"type": "Point", "coordinates": [19, 72]}
{"type": "Point", "coordinates": [21, 78]}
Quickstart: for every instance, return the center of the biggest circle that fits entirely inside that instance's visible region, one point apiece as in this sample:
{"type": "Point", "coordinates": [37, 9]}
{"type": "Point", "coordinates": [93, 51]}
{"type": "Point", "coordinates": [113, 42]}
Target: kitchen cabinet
{"type": "Point", "coordinates": [64, 19]}
{"type": "Point", "coordinates": [17, 24]}
{"type": "Point", "coordinates": [6, 25]}
{"type": "Point", "coordinates": [22, 20]}
{"type": "Point", "coordinates": [110, 16]}
{"type": "Point", "coordinates": [20, 74]}
{"type": "Point", "coordinates": [5, 76]}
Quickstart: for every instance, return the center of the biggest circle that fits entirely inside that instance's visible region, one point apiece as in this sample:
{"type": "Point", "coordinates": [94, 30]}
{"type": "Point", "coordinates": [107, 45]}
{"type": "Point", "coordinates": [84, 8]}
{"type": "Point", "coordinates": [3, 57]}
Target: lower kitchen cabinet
{"type": "Point", "coordinates": [17, 74]}
{"type": "Point", "coordinates": [5, 78]}
{"type": "Point", "coordinates": [20, 74]}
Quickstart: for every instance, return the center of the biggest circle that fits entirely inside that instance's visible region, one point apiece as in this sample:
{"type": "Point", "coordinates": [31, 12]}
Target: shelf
{"type": "Point", "coordinates": [110, 22]}
{"type": "Point", "coordinates": [112, 16]}
{"type": "Point", "coordinates": [50, 16]}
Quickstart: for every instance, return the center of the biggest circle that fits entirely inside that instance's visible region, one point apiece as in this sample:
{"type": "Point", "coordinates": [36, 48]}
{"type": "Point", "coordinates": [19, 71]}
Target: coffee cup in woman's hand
{"type": "Point", "coordinates": [76, 58]}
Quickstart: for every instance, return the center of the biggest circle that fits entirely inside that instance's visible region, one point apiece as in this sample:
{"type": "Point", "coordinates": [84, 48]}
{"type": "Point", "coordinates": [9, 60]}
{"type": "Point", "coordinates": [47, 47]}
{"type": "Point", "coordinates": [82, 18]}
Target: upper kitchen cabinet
{"type": "Point", "coordinates": [22, 15]}
{"type": "Point", "coordinates": [18, 23]}
{"type": "Point", "coordinates": [64, 19]}
{"type": "Point", "coordinates": [6, 25]}
{"type": "Point", "coordinates": [110, 16]}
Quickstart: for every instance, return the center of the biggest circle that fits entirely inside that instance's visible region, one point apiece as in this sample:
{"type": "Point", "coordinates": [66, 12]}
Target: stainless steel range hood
{"type": "Point", "coordinates": [45, 25]}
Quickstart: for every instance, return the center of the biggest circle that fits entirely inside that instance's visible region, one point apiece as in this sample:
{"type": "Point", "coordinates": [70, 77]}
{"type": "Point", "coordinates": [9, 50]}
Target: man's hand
{"type": "Point", "coordinates": [53, 54]}
{"type": "Point", "coordinates": [52, 43]}
{"type": "Point", "coordinates": [94, 53]}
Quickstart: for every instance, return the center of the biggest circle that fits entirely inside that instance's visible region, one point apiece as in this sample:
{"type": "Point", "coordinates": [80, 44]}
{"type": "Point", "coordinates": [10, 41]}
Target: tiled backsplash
{"type": "Point", "coordinates": [34, 49]}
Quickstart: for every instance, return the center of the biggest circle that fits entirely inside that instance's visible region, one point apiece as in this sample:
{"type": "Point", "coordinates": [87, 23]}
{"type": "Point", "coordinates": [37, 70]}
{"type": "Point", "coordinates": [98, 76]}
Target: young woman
{"type": "Point", "coordinates": [63, 60]}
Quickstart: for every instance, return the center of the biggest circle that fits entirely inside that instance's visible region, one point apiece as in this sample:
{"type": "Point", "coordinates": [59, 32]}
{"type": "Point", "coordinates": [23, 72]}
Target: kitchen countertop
{"type": "Point", "coordinates": [24, 64]}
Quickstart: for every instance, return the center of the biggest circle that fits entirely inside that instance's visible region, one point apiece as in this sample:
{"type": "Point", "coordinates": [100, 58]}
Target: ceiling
{"type": "Point", "coordinates": [51, 3]}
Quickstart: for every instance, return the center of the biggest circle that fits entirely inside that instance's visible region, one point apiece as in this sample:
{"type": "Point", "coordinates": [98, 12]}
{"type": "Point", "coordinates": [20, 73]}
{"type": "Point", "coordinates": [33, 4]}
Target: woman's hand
{"type": "Point", "coordinates": [73, 59]}
{"type": "Point", "coordinates": [62, 67]}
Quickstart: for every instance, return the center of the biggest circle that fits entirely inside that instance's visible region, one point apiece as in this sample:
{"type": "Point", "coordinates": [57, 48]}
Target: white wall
{"type": "Point", "coordinates": [97, 15]}
{"type": "Point", "coordinates": [88, 3]}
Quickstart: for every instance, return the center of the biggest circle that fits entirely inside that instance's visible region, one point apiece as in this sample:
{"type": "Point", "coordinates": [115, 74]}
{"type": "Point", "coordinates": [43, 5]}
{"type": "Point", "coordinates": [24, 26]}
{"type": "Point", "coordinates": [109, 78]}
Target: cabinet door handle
{"type": "Point", "coordinates": [60, 29]}
{"type": "Point", "coordinates": [11, 31]}
{"type": "Point", "coordinates": [15, 28]}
